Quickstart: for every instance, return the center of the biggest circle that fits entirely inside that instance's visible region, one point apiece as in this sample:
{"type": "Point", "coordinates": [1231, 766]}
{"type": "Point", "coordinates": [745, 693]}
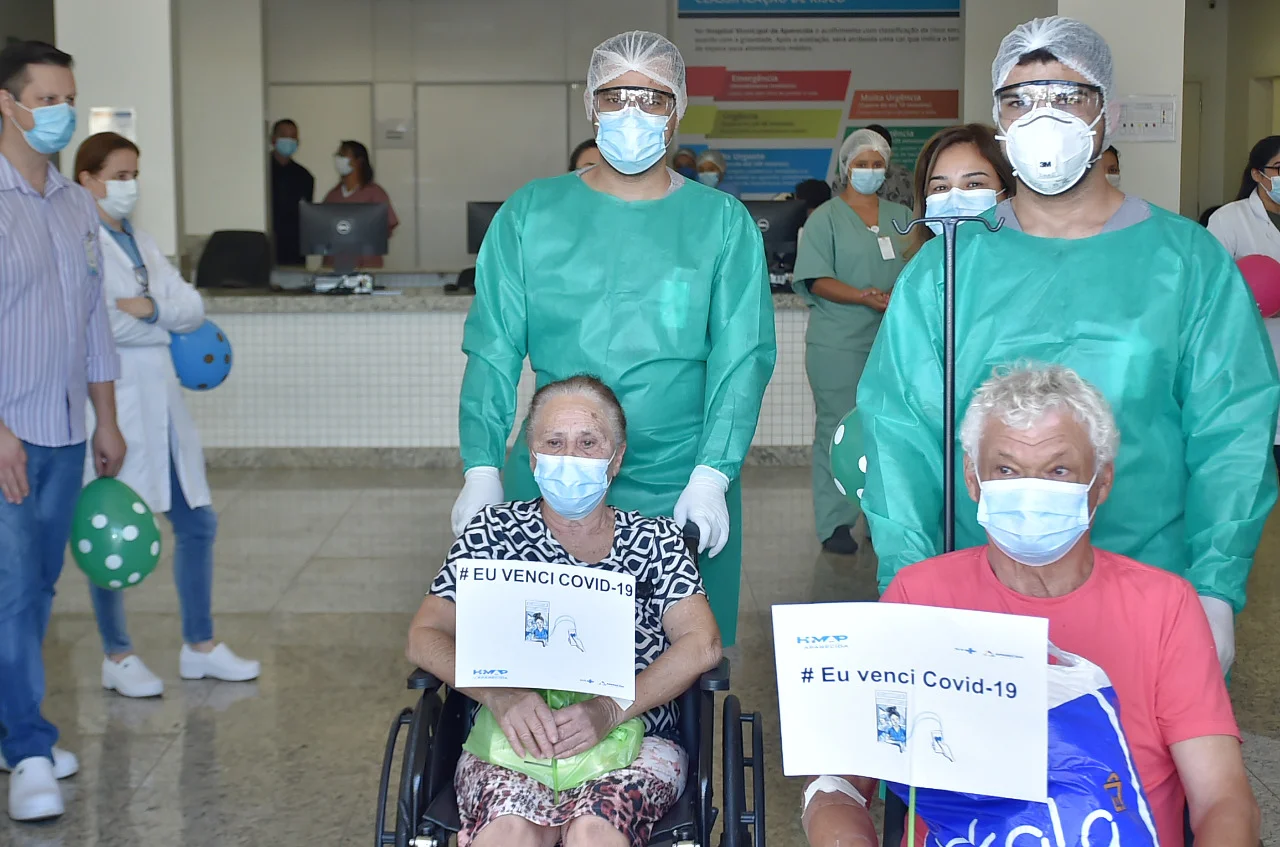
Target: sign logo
{"type": "Point", "coordinates": [822, 640]}
{"type": "Point", "coordinates": [763, 223]}
{"type": "Point", "coordinates": [343, 227]}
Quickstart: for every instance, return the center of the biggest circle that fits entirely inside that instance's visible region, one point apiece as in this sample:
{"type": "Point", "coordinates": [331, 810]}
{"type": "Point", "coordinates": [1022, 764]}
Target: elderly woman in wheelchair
{"type": "Point", "coordinates": [577, 440]}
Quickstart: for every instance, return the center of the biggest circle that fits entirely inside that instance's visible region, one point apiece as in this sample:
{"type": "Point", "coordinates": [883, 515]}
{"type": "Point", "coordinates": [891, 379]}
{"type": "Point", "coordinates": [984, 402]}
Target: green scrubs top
{"type": "Point", "coordinates": [837, 244]}
{"type": "Point", "coordinates": [1158, 318]}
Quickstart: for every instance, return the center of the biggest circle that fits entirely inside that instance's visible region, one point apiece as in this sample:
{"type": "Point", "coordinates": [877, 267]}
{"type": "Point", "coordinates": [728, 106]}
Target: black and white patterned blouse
{"type": "Point", "coordinates": [650, 549]}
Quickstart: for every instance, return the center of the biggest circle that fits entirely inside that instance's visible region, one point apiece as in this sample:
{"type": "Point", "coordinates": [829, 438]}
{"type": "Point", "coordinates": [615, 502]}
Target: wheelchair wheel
{"type": "Point", "coordinates": [411, 799]}
{"type": "Point", "coordinates": [742, 826]}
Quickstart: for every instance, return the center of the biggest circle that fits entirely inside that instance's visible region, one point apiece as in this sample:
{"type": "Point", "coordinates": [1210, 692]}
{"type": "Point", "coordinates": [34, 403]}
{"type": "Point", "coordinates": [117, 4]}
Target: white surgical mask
{"type": "Point", "coordinates": [959, 203]}
{"type": "Point", "coordinates": [122, 197]}
{"type": "Point", "coordinates": [1034, 521]}
{"type": "Point", "coordinates": [342, 164]}
{"type": "Point", "coordinates": [573, 486]}
{"type": "Point", "coordinates": [1049, 149]}
{"type": "Point", "coordinates": [1114, 179]}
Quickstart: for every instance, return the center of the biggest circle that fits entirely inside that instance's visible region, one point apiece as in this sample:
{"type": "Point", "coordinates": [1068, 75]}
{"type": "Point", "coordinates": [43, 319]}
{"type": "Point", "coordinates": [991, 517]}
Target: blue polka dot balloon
{"type": "Point", "coordinates": [202, 358]}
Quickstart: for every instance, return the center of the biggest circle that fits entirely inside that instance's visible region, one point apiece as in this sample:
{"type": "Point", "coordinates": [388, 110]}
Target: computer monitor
{"type": "Point", "coordinates": [343, 231]}
{"type": "Point", "coordinates": [780, 222]}
{"type": "Point", "coordinates": [479, 216]}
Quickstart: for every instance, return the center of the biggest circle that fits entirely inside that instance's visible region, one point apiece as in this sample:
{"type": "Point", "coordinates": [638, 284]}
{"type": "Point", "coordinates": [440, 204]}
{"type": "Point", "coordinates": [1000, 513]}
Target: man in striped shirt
{"type": "Point", "coordinates": [56, 349]}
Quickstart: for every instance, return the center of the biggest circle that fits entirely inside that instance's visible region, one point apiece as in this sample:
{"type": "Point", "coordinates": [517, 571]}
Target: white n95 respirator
{"type": "Point", "coordinates": [1050, 149]}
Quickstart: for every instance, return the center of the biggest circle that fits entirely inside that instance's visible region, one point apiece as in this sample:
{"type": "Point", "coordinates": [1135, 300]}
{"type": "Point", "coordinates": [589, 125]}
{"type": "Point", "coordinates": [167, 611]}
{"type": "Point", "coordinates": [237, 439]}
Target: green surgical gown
{"type": "Point", "coordinates": [667, 301]}
{"type": "Point", "coordinates": [1157, 317]}
{"type": "Point", "coordinates": [837, 244]}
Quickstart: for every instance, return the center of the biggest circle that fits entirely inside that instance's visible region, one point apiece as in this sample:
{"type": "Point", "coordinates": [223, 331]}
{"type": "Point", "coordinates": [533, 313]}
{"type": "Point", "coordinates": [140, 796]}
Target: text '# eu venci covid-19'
{"type": "Point", "coordinates": [529, 576]}
{"type": "Point", "coordinates": [929, 679]}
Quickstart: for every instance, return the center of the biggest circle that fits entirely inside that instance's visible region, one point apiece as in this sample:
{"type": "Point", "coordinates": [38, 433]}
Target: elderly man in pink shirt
{"type": "Point", "coordinates": [1040, 447]}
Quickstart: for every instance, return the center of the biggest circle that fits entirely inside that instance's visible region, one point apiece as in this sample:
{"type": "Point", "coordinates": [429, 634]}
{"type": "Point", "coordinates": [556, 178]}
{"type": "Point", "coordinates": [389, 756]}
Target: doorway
{"type": "Point", "coordinates": [1192, 118]}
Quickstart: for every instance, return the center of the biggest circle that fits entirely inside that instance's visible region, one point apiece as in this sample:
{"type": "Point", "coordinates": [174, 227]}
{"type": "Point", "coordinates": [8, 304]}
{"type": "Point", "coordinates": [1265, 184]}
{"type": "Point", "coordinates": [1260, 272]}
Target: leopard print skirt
{"type": "Point", "coordinates": [632, 799]}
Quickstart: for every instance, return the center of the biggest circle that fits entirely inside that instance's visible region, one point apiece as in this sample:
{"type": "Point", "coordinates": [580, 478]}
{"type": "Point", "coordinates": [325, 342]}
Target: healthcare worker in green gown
{"type": "Point", "coordinates": [849, 258]}
{"type": "Point", "coordinates": [1144, 304]}
{"type": "Point", "coordinates": [650, 281]}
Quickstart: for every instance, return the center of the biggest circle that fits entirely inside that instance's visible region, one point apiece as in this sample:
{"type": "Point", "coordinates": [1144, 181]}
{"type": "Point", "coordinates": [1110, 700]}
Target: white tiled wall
{"type": "Point", "coordinates": [392, 380]}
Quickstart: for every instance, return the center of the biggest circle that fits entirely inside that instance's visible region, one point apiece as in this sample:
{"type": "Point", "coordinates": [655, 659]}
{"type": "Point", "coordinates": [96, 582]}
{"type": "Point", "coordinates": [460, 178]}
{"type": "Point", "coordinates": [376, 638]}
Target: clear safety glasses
{"type": "Point", "coordinates": [1080, 99]}
{"type": "Point", "coordinates": [651, 101]}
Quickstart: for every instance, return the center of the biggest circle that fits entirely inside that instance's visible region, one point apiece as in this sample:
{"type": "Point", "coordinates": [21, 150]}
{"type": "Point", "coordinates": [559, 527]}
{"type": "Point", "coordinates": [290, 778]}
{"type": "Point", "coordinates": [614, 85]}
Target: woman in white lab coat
{"type": "Point", "coordinates": [147, 299]}
{"type": "Point", "coordinates": [1251, 225]}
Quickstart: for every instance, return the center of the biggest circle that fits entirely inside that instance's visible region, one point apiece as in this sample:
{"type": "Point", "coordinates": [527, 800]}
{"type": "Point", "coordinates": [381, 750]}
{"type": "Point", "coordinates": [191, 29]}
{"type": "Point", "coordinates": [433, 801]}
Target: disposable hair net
{"type": "Point", "coordinates": [715, 157]}
{"type": "Point", "coordinates": [1074, 44]}
{"type": "Point", "coordinates": [646, 52]}
{"type": "Point", "coordinates": [859, 140]}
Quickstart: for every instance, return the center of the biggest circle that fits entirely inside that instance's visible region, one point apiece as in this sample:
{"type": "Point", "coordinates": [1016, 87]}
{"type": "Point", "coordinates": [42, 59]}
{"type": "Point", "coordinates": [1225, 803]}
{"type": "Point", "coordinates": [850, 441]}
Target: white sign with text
{"type": "Point", "coordinates": [537, 625]}
{"type": "Point", "coordinates": [937, 698]}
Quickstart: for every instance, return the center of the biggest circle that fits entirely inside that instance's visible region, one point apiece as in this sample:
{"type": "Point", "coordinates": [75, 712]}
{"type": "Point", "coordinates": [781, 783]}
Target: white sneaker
{"type": "Point", "coordinates": [130, 677]}
{"type": "Point", "coordinates": [219, 663]}
{"type": "Point", "coordinates": [33, 791]}
{"type": "Point", "coordinates": [65, 763]}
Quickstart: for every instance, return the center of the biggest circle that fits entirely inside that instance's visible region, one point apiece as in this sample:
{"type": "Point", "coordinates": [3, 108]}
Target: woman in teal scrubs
{"type": "Point", "coordinates": [848, 260]}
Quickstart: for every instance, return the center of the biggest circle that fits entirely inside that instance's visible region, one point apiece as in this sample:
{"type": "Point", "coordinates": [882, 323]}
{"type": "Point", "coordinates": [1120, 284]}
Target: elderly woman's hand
{"type": "Point", "coordinates": [527, 721]}
{"type": "Point", "coordinates": [583, 725]}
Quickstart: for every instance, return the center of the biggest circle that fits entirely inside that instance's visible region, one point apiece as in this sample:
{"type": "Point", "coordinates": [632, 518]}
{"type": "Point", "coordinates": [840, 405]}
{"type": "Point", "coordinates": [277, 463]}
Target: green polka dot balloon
{"type": "Point", "coordinates": [849, 458]}
{"type": "Point", "coordinates": [114, 537]}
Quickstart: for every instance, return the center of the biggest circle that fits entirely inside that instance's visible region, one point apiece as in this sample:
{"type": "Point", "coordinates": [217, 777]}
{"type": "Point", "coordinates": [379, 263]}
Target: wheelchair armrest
{"type": "Point", "coordinates": [716, 679]}
{"type": "Point", "coordinates": [421, 680]}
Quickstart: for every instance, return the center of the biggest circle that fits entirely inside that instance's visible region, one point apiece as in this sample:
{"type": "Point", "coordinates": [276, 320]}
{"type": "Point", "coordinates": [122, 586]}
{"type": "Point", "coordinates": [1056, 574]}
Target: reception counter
{"type": "Point", "coordinates": [373, 381]}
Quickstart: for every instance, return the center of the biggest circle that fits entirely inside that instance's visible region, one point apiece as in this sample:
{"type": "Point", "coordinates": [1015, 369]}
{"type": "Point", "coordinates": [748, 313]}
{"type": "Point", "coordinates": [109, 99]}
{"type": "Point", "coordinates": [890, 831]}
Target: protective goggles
{"type": "Point", "coordinates": [651, 101]}
{"type": "Point", "coordinates": [1080, 99]}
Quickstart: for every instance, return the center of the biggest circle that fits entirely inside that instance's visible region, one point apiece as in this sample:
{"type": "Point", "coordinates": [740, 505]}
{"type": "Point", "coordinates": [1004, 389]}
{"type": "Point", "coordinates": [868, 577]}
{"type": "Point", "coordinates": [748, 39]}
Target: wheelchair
{"type": "Point", "coordinates": [425, 813]}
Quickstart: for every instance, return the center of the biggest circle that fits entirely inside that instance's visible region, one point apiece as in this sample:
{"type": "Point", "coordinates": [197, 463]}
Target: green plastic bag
{"type": "Point", "coordinates": [618, 749]}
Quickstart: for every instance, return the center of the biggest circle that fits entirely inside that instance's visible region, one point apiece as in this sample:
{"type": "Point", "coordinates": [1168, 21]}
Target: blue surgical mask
{"type": "Point", "coordinates": [53, 128]}
{"type": "Point", "coordinates": [958, 203]}
{"type": "Point", "coordinates": [866, 180]}
{"type": "Point", "coordinates": [1034, 521]}
{"type": "Point", "coordinates": [1274, 191]}
{"type": "Point", "coordinates": [688, 172]}
{"type": "Point", "coordinates": [287, 147]}
{"type": "Point", "coordinates": [630, 140]}
{"type": "Point", "coordinates": [572, 485]}
{"type": "Point", "coordinates": [709, 178]}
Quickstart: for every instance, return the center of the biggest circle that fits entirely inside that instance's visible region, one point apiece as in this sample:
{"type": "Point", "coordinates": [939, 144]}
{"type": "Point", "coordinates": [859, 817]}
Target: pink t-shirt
{"type": "Point", "coordinates": [1143, 626]}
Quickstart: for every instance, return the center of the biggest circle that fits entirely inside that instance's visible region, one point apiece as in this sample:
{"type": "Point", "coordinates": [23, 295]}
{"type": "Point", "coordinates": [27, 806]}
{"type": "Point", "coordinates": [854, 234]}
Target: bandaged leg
{"type": "Point", "coordinates": [835, 814]}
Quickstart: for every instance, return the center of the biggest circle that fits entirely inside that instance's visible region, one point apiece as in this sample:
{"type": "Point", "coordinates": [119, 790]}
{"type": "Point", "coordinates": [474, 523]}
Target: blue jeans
{"type": "Point", "coordinates": [33, 543]}
{"type": "Point", "coordinates": [193, 530]}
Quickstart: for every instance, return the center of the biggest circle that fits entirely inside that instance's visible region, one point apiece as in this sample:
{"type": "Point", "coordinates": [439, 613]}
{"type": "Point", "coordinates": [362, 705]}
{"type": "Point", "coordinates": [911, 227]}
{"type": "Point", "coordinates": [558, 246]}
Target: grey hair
{"type": "Point", "coordinates": [584, 385]}
{"type": "Point", "coordinates": [1022, 394]}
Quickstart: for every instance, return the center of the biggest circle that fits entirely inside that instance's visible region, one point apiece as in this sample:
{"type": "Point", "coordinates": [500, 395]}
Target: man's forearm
{"type": "Point", "coordinates": [103, 397]}
{"type": "Point", "coordinates": [1231, 822]}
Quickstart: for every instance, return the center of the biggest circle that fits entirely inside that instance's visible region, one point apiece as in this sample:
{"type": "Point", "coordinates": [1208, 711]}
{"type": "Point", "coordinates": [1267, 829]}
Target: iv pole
{"type": "Point", "coordinates": [948, 225]}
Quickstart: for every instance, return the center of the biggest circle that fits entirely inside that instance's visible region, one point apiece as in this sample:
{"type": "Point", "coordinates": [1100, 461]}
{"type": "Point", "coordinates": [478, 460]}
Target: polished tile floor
{"type": "Point", "coordinates": [318, 575]}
